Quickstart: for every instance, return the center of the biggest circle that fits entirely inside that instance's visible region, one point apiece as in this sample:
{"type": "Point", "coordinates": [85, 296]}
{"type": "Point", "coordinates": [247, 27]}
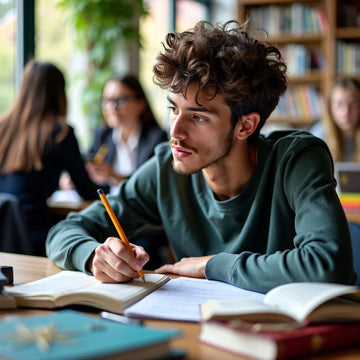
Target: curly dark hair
{"type": "Point", "coordinates": [249, 73]}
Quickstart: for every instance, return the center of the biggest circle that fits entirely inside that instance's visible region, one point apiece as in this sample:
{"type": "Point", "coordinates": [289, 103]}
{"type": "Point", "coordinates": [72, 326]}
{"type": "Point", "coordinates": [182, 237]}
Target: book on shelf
{"type": "Point", "coordinates": [350, 201]}
{"type": "Point", "coordinates": [295, 18]}
{"type": "Point", "coordinates": [297, 304]}
{"type": "Point", "coordinates": [300, 102]}
{"type": "Point", "coordinates": [69, 334]}
{"type": "Point", "coordinates": [269, 344]}
{"type": "Point", "coordinates": [77, 288]}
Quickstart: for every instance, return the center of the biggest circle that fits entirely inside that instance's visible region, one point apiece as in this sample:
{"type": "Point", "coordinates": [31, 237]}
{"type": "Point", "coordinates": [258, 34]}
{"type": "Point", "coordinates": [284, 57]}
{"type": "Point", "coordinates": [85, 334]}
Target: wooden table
{"type": "Point", "coordinates": [30, 268]}
{"type": "Point", "coordinates": [64, 201]}
{"type": "Point", "coordinates": [62, 208]}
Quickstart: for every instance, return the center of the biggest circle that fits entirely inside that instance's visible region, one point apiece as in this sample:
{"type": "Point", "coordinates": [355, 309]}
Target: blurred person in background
{"type": "Point", "coordinates": [341, 126]}
{"type": "Point", "coordinates": [37, 145]}
{"type": "Point", "coordinates": [127, 138]}
{"type": "Point", "coordinates": [129, 131]}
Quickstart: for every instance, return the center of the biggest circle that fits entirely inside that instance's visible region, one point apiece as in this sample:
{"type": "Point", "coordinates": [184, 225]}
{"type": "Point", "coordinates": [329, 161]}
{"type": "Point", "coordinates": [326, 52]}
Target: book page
{"type": "Point", "coordinates": [63, 282]}
{"type": "Point", "coordinates": [180, 299]}
{"type": "Point", "coordinates": [300, 299]}
{"type": "Point", "coordinates": [66, 283]}
{"type": "Point", "coordinates": [126, 293]}
{"type": "Point", "coordinates": [244, 309]}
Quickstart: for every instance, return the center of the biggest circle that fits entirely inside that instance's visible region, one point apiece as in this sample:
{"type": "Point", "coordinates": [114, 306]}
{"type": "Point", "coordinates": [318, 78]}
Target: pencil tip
{"type": "Point", "coordinates": [143, 278]}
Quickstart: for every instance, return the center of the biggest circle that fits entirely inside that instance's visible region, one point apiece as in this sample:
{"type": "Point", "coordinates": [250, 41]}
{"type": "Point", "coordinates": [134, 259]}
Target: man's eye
{"type": "Point", "coordinates": [172, 108]}
{"type": "Point", "coordinates": [198, 118]}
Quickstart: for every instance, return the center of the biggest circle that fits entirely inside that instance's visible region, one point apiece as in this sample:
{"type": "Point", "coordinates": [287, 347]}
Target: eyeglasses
{"type": "Point", "coordinates": [116, 102]}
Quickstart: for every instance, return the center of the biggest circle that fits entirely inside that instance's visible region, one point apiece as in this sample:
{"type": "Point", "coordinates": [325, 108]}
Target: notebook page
{"type": "Point", "coordinates": [179, 299]}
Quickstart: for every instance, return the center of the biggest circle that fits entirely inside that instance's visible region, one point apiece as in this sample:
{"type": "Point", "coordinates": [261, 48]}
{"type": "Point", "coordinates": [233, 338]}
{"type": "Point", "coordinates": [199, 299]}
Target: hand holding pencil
{"type": "Point", "coordinates": [100, 155]}
{"type": "Point", "coordinates": [118, 227]}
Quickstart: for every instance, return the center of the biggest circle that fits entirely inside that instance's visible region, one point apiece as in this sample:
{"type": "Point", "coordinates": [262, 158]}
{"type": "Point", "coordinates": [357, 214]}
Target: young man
{"type": "Point", "coordinates": [252, 210]}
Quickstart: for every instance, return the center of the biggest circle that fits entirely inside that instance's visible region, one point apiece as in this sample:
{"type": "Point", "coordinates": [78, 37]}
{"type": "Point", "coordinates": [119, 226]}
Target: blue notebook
{"type": "Point", "coordinates": [70, 334]}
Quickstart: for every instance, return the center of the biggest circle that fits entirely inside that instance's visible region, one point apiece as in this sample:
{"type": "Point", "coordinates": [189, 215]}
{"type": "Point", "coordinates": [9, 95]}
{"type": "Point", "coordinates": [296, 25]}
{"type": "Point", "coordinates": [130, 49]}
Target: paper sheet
{"type": "Point", "coordinates": [179, 299]}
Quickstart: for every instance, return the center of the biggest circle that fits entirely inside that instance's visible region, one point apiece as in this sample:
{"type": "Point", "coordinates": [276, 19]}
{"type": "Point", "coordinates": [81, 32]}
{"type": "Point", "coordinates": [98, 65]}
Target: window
{"type": "Point", "coordinates": [164, 15]}
{"type": "Point", "coordinates": [8, 21]}
{"type": "Point", "coordinates": [54, 43]}
{"type": "Point", "coordinates": [188, 12]}
{"type": "Point", "coordinates": [53, 39]}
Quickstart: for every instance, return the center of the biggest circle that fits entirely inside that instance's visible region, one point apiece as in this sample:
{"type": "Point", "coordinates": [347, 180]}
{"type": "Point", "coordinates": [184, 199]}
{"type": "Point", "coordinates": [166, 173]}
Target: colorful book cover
{"type": "Point", "coordinates": [350, 201]}
{"type": "Point", "coordinates": [70, 334]}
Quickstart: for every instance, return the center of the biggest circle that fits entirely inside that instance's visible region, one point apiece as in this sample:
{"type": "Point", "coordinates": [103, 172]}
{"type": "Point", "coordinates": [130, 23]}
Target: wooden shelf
{"type": "Point", "coordinates": [312, 77]}
{"type": "Point", "coordinates": [291, 38]}
{"type": "Point", "coordinates": [292, 120]}
{"type": "Point", "coordinates": [275, 2]}
{"type": "Point", "coordinates": [348, 33]}
{"type": "Point", "coordinates": [323, 43]}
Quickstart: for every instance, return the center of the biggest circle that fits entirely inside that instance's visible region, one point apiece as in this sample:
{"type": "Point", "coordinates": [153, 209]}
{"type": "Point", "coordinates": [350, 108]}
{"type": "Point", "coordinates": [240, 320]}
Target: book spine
{"type": "Point", "coordinates": [315, 343]}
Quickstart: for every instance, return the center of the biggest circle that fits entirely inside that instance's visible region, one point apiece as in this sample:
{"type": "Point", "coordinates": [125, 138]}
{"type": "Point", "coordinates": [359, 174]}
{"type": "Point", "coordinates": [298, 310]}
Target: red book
{"type": "Point", "coordinates": [286, 344]}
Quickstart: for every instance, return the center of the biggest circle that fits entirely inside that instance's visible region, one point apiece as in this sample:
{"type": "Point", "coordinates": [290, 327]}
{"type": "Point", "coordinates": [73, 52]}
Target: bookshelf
{"type": "Point", "coordinates": [319, 39]}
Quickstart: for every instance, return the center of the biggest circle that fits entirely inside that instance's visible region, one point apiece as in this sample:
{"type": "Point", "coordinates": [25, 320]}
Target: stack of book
{"type": "Point", "coordinates": [297, 319]}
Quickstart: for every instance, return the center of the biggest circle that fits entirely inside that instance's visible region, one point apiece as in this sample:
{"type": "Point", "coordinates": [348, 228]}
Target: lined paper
{"type": "Point", "coordinates": [179, 299]}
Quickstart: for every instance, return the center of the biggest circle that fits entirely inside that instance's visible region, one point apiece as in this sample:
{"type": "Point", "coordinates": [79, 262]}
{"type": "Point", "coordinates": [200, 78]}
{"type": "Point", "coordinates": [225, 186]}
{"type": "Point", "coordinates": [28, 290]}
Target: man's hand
{"type": "Point", "coordinates": [193, 266]}
{"type": "Point", "coordinates": [113, 263]}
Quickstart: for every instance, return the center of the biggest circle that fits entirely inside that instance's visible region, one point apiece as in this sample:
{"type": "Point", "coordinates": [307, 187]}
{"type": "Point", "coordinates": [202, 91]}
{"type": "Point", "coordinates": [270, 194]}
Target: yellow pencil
{"type": "Point", "coordinates": [100, 155]}
{"type": "Point", "coordinates": [117, 225]}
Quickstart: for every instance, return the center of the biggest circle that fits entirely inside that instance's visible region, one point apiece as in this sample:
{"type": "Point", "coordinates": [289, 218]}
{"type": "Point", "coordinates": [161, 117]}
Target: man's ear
{"type": "Point", "coordinates": [246, 125]}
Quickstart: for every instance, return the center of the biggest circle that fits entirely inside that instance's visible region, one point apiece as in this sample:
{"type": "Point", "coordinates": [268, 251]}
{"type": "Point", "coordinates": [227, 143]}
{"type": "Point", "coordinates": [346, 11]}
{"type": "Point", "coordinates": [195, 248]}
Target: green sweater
{"type": "Point", "coordinates": [286, 226]}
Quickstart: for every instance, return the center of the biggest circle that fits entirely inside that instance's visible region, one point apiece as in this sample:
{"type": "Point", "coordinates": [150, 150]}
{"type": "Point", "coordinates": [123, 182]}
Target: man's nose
{"type": "Point", "coordinates": [178, 129]}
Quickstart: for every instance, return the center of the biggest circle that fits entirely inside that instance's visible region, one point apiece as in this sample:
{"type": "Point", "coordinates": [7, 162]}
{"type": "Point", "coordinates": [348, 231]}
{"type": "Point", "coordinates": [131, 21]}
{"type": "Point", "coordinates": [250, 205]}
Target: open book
{"type": "Point", "coordinates": [77, 288]}
{"type": "Point", "coordinates": [300, 303]}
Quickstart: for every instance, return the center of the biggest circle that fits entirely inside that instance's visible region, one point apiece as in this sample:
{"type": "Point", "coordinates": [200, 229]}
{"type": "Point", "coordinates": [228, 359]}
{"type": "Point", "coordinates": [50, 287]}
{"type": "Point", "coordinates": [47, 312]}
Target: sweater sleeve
{"type": "Point", "coordinates": [321, 247]}
{"type": "Point", "coordinates": [71, 242]}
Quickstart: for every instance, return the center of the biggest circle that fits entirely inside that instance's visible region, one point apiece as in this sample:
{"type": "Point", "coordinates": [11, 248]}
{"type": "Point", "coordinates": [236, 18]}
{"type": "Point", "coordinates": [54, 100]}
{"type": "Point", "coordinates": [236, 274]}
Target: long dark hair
{"type": "Point", "coordinates": [26, 129]}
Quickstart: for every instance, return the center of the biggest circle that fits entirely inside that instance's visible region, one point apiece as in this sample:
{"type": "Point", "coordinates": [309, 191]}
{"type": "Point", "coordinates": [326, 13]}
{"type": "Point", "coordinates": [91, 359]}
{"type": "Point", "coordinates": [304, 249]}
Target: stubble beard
{"type": "Point", "coordinates": [226, 150]}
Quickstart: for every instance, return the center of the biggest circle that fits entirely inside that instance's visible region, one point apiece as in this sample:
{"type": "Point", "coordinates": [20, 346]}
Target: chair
{"type": "Point", "coordinates": [355, 241]}
{"type": "Point", "coordinates": [14, 237]}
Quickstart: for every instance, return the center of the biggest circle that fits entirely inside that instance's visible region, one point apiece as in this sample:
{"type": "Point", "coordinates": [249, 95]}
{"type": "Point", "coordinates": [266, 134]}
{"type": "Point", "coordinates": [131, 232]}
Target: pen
{"type": "Point", "coordinates": [119, 318]}
{"type": "Point", "coordinates": [118, 227]}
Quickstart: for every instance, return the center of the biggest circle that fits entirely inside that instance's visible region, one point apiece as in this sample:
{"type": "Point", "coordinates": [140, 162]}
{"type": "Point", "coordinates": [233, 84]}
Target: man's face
{"type": "Point", "coordinates": [201, 135]}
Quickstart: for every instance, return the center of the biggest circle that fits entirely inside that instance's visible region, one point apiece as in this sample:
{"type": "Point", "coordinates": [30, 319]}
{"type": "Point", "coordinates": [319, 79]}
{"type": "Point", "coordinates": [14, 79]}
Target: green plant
{"type": "Point", "coordinates": [98, 26]}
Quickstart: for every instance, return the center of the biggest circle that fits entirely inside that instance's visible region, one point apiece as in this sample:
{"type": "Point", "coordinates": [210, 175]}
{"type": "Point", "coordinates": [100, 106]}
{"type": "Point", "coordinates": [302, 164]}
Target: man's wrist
{"type": "Point", "coordinates": [89, 263]}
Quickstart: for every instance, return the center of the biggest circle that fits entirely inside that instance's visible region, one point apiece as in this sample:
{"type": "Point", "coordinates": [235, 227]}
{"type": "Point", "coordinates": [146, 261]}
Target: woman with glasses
{"type": "Point", "coordinates": [341, 126]}
{"type": "Point", "coordinates": [128, 134]}
{"type": "Point", "coordinates": [127, 139]}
